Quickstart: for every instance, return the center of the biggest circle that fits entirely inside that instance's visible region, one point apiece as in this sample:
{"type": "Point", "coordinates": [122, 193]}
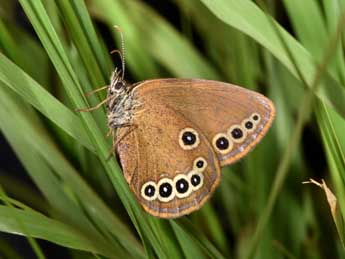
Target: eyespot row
{"type": "Point", "coordinates": [224, 142]}
{"type": "Point", "coordinates": [181, 186]}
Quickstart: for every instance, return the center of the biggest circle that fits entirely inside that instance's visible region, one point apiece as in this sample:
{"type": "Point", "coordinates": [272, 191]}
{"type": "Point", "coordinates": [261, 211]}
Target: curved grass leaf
{"type": "Point", "coordinates": [19, 128]}
{"type": "Point", "coordinates": [236, 13]}
{"type": "Point", "coordinates": [147, 28]}
{"type": "Point", "coordinates": [21, 225]}
{"type": "Point", "coordinates": [54, 47]}
{"type": "Point", "coordinates": [331, 127]}
{"type": "Point", "coordinates": [16, 79]}
{"type": "Point", "coordinates": [40, 226]}
{"type": "Point", "coordinates": [55, 184]}
{"type": "Point", "coordinates": [79, 25]}
{"type": "Point", "coordinates": [9, 251]}
{"type": "Point", "coordinates": [302, 116]}
{"type": "Point", "coordinates": [191, 233]}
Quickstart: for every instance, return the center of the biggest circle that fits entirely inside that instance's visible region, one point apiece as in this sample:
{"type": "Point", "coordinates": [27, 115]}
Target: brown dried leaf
{"type": "Point", "coordinates": [332, 202]}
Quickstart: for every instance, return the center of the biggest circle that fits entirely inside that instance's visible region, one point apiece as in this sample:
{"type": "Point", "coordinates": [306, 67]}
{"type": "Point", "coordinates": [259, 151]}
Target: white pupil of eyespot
{"type": "Point", "coordinates": [181, 185]}
{"type": "Point", "coordinates": [165, 189]}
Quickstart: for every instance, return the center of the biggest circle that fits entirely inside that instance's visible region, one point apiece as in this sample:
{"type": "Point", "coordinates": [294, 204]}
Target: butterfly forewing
{"type": "Point", "coordinates": [232, 118]}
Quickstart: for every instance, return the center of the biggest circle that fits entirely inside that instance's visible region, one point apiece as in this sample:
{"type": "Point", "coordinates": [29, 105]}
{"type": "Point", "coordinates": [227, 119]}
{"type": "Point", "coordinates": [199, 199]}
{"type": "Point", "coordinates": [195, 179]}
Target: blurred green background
{"type": "Point", "coordinates": [61, 199]}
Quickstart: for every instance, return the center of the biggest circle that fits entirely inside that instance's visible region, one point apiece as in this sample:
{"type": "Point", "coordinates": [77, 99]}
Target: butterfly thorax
{"type": "Point", "coordinates": [120, 104]}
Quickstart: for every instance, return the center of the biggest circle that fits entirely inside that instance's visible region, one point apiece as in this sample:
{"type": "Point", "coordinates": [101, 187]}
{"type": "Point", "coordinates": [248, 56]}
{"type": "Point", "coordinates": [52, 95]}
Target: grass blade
{"type": "Point", "coordinates": [79, 24]}
{"type": "Point", "coordinates": [58, 56]}
{"type": "Point", "coordinates": [148, 28]}
{"type": "Point", "coordinates": [73, 184]}
{"type": "Point", "coordinates": [21, 225]}
{"type": "Point", "coordinates": [303, 113]}
{"type": "Point", "coordinates": [48, 229]}
{"type": "Point", "coordinates": [17, 80]}
{"type": "Point", "coordinates": [235, 13]}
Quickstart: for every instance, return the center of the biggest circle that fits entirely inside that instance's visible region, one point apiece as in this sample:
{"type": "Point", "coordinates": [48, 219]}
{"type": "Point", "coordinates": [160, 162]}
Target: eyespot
{"type": "Point", "coordinates": [199, 164]}
{"type": "Point", "coordinates": [222, 143]}
{"type": "Point", "coordinates": [249, 125]}
{"type": "Point", "coordinates": [237, 133]}
{"type": "Point", "coordinates": [189, 139]}
{"type": "Point", "coordinates": [255, 117]}
{"type": "Point", "coordinates": [196, 179]}
{"type": "Point", "coordinates": [166, 190]}
{"type": "Point", "coordinates": [149, 191]}
{"type": "Point", "coordinates": [182, 186]}
{"type": "Point", "coordinates": [119, 85]}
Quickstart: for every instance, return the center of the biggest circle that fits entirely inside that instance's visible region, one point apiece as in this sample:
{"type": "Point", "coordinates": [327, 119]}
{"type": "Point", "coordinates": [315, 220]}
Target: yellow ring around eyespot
{"type": "Point", "coordinates": [214, 143]}
{"type": "Point", "coordinates": [244, 133]}
{"type": "Point", "coordinates": [244, 125]}
{"type": "Point", "coordinates": [172, 195]}
{"type": "Point", "coordinates": [188, 192]}
{"type": "Point", "coordinates": [189, 147]}
{"type": "Point", "coordinates": [190, 175]}
{"type": "Point", "coordinates": [143, 191]}
{"type": "Point", "coordinates": [252, 117]}
{"type": "Point", "coordinates": [195, 168]}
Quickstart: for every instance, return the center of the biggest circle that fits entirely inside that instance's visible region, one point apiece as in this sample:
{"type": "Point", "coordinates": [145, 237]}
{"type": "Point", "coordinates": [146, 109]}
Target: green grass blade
{"type": "Point", "coordinates": [314, 40]}
{"type": "Point", "coordinates": [147, 28]}
{"type": "Point", "coordinates": [40, 143]}
{"type": "Point", "coordinates": [83, 34]}
{"type": "Point", "coordinates": [332, 11]}
{"type": "Point", "coordinates": [17, 80]}
{"type": "Point", "coordinates": [190, 250]}
{"type": "Point", "coordinates": [7, 42]}
{"type": "Point", "coordinates": [235, 54]}
{"type": "Point", "coordinates": [39, 171]}
{"type": "Point", "coordinates": [295, 138]}
{"type": "Point", "coordinates": [21, 225]}
{"type": "Point", "coordinates": [22, 191]}
{"type": "Point", "coordinates": [331, 127]}
{"type": "Point", "coordinates": [51, 42]}
{"type": "Point", "coordinates": [192, 233]}
{"type": "Point", "coordinates": [235, 13]}
{"type": "Point", "coordinates": [8, 251]}
{"type": "Point", "coordinates": [57, 54]}
{"type": "Point", "coordinates": [47, 229]}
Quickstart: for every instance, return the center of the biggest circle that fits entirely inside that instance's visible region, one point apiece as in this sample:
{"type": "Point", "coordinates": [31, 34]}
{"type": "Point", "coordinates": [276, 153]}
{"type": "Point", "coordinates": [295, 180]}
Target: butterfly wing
{"type": "Point", "coordinates": [169, 178]}
{"type": "Point", "coordinates": [185, 129]}
{"type": "Point", "coordinates": [232, 118]}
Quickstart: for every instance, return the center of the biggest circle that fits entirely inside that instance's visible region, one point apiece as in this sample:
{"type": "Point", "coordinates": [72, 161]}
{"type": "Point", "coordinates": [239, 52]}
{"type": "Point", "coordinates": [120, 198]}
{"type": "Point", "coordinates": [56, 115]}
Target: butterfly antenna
{"type": "Point", "coordinates": [122, 54]}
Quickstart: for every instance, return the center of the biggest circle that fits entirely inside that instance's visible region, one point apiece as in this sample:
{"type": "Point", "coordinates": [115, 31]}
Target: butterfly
{"type": "Point", "coordinates": [172, 136]}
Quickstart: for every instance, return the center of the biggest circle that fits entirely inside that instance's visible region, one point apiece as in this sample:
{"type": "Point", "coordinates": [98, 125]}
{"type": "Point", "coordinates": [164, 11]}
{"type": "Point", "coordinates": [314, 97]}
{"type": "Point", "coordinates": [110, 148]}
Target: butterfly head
{"type": "Point", "coordinates": [117, 85]}
{"type": "Point", "coordinates": [120, 104]}
{"type": "Point", "coordinates": [116, 92]}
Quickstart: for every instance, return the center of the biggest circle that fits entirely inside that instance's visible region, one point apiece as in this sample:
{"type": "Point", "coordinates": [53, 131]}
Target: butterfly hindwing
{"type": "Point", "coordinates": [168, 177]}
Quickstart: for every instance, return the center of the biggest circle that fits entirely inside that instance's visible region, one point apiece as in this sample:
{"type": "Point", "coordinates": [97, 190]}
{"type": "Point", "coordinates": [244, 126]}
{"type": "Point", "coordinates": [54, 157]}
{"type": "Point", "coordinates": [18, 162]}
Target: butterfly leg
{"type": "Point", "coordinates": [96, 90]}
{"type": "Point", "coordinates": [95, 107]}
{"type": "Point", "coordinates": [110, 132]}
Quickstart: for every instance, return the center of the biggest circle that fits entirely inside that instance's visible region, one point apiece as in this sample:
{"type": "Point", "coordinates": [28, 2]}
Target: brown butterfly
{"type": "Point", "coordinates": [174, 135]}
